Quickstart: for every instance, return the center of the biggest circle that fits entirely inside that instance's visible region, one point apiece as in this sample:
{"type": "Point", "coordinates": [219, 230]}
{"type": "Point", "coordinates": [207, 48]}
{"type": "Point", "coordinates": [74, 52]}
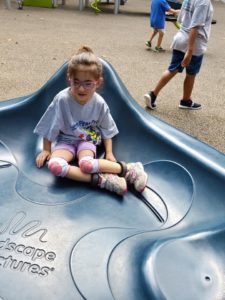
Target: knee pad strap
{"type": "Point", "coordinates": [88, 164]}
{"type": "Point", "coordinates": [58, 166]}
{"type": "Point", "coordinates": [123, 168]}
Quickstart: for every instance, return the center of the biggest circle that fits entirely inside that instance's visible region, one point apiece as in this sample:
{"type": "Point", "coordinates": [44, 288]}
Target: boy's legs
{"type": "Point", "coordinates": [154, 33]}
{"type": "Point", "coordinates": [173, 69]}
{"type": "Point", "coordinates": [191, 71]}
{"type": "Point", "coordinates": [166, 77]}
{"type": "Point", "coordinates": [150, 98]}
{"type": "Point", "coordinates": [188, 86]}
{"type": "Point", "coordinates": [160, 38]}
{"type": "Point", "coordinates": [175, 66]}
{"type": "Point", "coordinates": [159, 41]}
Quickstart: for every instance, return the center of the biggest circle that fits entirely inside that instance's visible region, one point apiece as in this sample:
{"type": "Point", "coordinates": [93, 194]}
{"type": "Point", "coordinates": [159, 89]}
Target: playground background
{"type": "Point", "coordinates": [35, 42]}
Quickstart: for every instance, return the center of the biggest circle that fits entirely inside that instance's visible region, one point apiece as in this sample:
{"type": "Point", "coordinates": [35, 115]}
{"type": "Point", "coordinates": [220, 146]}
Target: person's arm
{"type": "Point", "coordinates": [44, 154]}
{"type": "Point", "coordinates": [108, 150]}
{"type": "Point", "coordinates": [172, 11]}
{"type": "Point", "coordinates": [191, 42]}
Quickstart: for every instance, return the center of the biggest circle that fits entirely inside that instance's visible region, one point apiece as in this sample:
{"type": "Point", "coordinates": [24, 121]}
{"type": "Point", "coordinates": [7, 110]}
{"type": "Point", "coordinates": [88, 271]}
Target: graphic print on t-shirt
{"type": "Point", "coordinates": [87, 131]}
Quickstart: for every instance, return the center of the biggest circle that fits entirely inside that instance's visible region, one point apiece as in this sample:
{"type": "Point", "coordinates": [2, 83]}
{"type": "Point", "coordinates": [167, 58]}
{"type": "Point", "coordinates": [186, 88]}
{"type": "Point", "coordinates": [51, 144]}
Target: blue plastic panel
{"type": "Point", "coordinates": [61, 239]}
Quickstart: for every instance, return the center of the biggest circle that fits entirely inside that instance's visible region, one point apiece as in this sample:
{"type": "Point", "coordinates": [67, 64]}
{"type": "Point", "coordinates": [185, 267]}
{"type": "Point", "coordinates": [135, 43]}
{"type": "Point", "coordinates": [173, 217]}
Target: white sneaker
{"type": "Point", "coordinates": [150, 100]}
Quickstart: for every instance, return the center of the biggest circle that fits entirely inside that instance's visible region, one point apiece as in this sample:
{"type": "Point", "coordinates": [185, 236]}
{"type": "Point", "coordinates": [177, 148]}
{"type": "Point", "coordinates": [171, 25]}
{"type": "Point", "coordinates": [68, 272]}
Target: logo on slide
{"type": "Point", "coordinates": [21, 257]}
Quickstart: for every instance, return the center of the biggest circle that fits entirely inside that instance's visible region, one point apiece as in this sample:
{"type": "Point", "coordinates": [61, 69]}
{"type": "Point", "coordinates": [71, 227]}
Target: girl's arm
{"type": "Point", "coordinates": [44, 154]}
{"type": "Point", "coordinates": [108, 150]}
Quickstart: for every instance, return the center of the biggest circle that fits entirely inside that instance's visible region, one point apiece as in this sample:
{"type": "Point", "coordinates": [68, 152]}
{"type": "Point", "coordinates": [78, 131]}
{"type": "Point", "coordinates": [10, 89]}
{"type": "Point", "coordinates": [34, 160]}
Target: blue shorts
{"type": "Point", "coordinates": [192, 69]}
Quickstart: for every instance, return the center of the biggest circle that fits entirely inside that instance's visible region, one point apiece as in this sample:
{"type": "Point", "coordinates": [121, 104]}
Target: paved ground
{"type": "Point", "coordinates": [34, 43]}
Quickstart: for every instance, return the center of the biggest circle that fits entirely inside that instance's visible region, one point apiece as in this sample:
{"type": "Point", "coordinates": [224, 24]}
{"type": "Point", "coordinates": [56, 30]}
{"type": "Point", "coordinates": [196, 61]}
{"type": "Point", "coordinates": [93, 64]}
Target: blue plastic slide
{"type": "Point", "coordinates": [64, 240]}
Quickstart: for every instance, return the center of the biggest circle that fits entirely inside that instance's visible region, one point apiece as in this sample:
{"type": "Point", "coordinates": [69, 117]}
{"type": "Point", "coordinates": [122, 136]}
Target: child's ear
{"type": "Point", "coordinates": [100, 81]}
{"type": "Point", "coordinates": [68, 78]}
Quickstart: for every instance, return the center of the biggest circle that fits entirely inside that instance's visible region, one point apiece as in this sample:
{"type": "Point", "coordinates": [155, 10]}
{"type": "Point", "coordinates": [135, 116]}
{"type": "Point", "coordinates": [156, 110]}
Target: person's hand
{"type": "Point", "coordinates": [42, 157]}
{"type": "Point", "coordinates": [110, 156]}
{"type": "Point", "coordinates": [187, 58]}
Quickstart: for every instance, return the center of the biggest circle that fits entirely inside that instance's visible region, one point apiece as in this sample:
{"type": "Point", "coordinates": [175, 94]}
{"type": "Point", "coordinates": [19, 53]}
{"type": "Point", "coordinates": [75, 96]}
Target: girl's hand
{"type": "Point", "coordinates": [42, 157]}
{"type": "Point", "coordinates": [110, 156]}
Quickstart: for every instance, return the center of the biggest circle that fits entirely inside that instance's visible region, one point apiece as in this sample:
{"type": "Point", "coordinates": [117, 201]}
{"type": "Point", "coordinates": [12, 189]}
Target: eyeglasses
{"type": "Point", "coordinates": [86, 84]}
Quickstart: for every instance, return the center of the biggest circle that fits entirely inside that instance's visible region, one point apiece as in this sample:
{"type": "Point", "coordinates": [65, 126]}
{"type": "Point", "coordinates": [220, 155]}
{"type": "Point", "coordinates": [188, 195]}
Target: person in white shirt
{"type": "Point", "coordinates": [189, 46]}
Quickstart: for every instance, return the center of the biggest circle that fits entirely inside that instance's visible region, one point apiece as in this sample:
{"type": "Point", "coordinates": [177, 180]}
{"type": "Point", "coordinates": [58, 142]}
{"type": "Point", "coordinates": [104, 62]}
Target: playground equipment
{"type": "Point", "coordinates": [94, 5]}
{"type": "Point", "coordinates": [61, 239]}
{"type": "Point", "coordinates": [8, 4]}
{"type": "Point", "coordinates": [40, 3]}
{"type": "Point", "coordinates": [54, 3]}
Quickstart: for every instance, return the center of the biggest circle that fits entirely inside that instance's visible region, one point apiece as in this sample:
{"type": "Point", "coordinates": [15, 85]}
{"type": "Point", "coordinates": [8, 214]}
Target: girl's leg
{"type": "Point", "coordinates": [86, 164]}
{"type": "Point", "coordinates": [58, 165]}
{"type": "Point", "coordinates": [76, 174]}
{"type": "Point", "coordinates": [97, 165]}
{"type": "Point", "coordinates": [136, 176]}
{"type": "Point", "coordinates": [103, 172]}
{"type": "Point", "coordinates": [107, 166]}
{"type": "Point", "coordinates": [133, 172]}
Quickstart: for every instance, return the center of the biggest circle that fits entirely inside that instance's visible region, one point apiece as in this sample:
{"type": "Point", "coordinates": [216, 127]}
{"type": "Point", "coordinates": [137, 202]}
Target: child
{"type": "Point", "coordinates": [78, 120]}
{"type": "Point", "coordinates": [159, 8]}
{"type": "Point", "coordinates": [20, 4]}
{"type": "Point", "coordinates": [189, 46]}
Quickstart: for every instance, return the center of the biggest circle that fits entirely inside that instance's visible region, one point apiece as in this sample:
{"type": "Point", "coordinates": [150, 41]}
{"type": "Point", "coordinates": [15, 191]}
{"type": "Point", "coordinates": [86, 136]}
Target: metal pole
{"type": "Point", "coordinates": [116, 6]}
{"type": "Point", "coordinates": [8, 4]}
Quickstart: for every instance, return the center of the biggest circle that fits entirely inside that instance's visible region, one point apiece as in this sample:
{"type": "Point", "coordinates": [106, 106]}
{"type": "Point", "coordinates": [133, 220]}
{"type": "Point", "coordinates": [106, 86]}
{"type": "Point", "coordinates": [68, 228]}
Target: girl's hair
{"type": "Point", "coordinates": [85, 60]}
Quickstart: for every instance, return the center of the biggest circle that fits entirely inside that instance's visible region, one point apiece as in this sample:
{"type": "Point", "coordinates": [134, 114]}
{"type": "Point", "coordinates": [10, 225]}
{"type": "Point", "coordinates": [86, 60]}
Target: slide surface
{"type": "Point", "coordinates": [64, 240]}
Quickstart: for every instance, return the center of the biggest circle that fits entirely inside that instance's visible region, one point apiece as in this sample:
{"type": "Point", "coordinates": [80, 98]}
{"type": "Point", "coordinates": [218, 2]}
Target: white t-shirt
{"type": "Point", "coordinates": [67, 121]}
{"type": "Point", "coordinates": [194, 13]}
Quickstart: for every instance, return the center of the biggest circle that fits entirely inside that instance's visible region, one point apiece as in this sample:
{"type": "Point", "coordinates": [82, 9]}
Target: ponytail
{"type": "Point", "coordinates": [85, 60]}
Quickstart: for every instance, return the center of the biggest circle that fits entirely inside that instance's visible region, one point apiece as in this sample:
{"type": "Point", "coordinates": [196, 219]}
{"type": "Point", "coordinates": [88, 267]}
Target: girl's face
{"type": "Point", "coordinates": [83, 86]}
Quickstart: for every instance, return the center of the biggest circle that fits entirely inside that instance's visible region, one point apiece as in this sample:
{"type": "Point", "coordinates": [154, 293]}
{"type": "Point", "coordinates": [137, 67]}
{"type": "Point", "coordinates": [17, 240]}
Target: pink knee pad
{"type": "Point", "coordinates": [58, 166]}
{"type": "Point", "coordinates": [88, 164]}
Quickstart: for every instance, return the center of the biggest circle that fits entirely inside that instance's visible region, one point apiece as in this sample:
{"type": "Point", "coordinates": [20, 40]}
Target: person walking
{"type": "Point", "coordinates": [159, 9]}
{"type": "Point", "coordinates": [189, 46]}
